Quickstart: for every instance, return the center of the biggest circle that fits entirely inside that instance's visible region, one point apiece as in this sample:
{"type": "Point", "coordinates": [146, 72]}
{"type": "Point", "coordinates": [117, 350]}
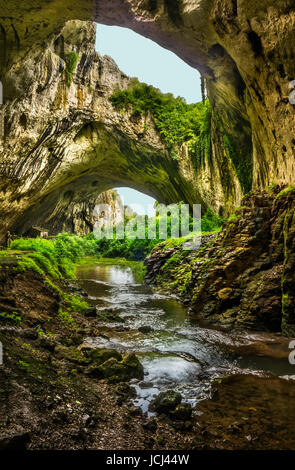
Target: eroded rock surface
{"type": "Point", "coordinates": [244, 276]}
{"type": "Point", "coordinates": [244, 49]}
{"type": "Point", "coordinates": [63, 143]}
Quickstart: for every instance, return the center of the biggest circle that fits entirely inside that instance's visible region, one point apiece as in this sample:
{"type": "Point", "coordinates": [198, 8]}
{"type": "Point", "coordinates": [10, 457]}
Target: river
{"type": "Point", "coordinates": [176, 352]}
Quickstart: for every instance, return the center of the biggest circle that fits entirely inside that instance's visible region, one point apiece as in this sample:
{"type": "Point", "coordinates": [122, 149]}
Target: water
{"type": "Point", "coordinates": [177, 353]}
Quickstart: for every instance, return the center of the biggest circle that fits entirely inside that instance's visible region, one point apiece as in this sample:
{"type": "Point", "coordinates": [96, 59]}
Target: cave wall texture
{"type": "Point", "coordinates": [58, 140]}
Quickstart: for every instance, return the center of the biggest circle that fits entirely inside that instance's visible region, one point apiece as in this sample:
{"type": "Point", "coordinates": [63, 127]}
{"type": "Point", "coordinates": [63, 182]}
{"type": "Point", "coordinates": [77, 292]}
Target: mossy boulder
{"type": "Point", "coordinates": [118, 370]}
{"type": "Point", "coordinates": [145, 329]}
{"type": "Point", "coordinates": [99, 356]}
{"type": "Point", "coordinates": [110, 316]}
{"type": "Point", "coordinates": [182, 412]}
{"type": "Point", "coordinates": [71, 354]}
{"type": "Point", "coordinates": [165, 402]}
{"type": "Point", "coordinates": [133, 365]}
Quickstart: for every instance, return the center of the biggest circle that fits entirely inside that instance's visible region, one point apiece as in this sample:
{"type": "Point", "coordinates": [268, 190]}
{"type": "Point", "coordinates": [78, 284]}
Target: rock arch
{"type": "Point", "coordinates": [64, 143]}
{"type": "Point", "coordinates": [244, 48]}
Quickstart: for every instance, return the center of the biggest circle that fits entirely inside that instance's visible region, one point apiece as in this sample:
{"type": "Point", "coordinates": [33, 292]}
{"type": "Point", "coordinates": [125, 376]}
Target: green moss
{"type": "Point", "coordinates": [76, 303]}
{"type": "Point", "coordinates": [99, 356]}
{"type": "Point", "coordinates": [286, 191]}
{"type": "Point", "coordinates": [233, 218]}
{"type": "Point", "coordinates": [187, 282]}
{"type": "Point", "coordinates": [53, 286]}
{"type": "Point", "coordinates": [23, 365]}
{"type": "Point", "coordinates": [271, 188]}
{"type": "Point", "coordinates": [71, 60]}
{"type": "Point", "coordinates": [28, 264]}
{"type": "Point", "coordinates": [13, 317]}
{"type": "Point", "coordinates": [72, 354]}
{"type": "Point", "coordinates": [65, 317]}
{"type": "Point", "coordinates": [243, 163]}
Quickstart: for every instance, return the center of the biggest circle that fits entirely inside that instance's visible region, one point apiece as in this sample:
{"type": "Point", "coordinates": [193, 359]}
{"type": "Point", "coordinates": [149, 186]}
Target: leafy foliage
{"type": "Point", "coordinates": [55, 258]}
{"type": "Point", "coordinates": [177, 121]}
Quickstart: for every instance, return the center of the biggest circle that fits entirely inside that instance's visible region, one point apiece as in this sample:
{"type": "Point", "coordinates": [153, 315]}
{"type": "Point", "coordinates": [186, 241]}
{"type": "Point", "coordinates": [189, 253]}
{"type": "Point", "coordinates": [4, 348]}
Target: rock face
{"type": "Point", "coordinates": [245, 276]}
{"type": "Point", "coordinates": [74, 213]}
{"type": "Point", "coordinates": [63, 143]}
{"type": "Point", "coordinates": [244, 49]}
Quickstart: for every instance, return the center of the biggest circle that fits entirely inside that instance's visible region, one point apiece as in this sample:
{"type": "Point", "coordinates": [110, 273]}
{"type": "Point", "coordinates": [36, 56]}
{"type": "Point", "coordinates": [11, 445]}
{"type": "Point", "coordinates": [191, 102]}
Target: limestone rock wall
{"type": "Point", "coordinates": [63, 143]}
{"type": "Point", "coordinates": [244, 276]}
{"type": "Point", "coordinates": [244, 49]}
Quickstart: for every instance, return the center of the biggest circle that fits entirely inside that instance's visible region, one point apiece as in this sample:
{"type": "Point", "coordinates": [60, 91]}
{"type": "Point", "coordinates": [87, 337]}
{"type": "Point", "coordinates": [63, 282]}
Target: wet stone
{"type": "Point", "coordinates": [165, 402]}
{"type": "Point", "coordinates": [145, 329]}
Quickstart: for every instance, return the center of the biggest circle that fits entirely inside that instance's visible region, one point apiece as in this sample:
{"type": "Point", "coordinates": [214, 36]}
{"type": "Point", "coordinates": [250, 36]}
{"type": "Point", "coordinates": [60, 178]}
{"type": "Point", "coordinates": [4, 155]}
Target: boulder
{"type": "Point", "coordinates": [90, 312]}
{"type": "Point", "coordinates": [71, 354]}
{"type": "Point", "coordinates": [101, 355]}
{"type": "Point", "coordinates": [182, 412]}
{"type": "Point", "coordinates": [116, 370]}
{"type": "Point", "coordinates": [165, 402]}
{"type": "Point", "coordinates": [145, 329]}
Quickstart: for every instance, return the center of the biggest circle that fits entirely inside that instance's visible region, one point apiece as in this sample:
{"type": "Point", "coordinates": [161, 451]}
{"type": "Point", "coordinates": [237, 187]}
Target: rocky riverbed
{"type": "Point", "coordinates": [82, 387]}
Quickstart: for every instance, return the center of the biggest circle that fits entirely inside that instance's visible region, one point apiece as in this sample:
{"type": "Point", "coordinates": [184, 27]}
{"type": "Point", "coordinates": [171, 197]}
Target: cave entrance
{"type": "Point", "coordinates": [140, 57]}
{"type": "Point", "coordinates": [137, 201]}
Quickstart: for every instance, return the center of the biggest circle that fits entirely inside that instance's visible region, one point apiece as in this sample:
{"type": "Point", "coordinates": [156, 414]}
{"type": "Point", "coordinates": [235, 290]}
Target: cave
{"type": "Point", "coordinates": [147, 343]}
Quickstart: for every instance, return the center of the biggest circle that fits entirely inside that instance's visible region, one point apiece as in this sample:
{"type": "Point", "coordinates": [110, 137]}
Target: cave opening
{"type": "Point", "coordinates": [157, 66]}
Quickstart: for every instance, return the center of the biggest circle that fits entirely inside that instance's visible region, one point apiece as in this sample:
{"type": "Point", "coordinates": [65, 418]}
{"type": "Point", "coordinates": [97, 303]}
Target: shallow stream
{"type": "Point", "coordinates": [177, 353]}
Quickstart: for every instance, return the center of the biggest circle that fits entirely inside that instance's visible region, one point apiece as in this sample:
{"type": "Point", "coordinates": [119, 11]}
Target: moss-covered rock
{"type": "Point", "coordinates": [165, 402]}
{"type": "Point", "coordinates": [118, 370]}
{"type": "Point", "coordinates": [244, 276]}
{"type": "Point", "coordinates": [71, 353]}
{"type": "Point", "coordinates": [182, 412]}
{"type": "Point", "coordinates": [99, 356]}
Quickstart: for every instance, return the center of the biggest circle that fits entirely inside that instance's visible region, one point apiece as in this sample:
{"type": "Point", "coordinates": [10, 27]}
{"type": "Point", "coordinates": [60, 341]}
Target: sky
{"type": "Point", "coordinates": [139, 202]}
{"type": "Point", "coordinates": [140, 57]}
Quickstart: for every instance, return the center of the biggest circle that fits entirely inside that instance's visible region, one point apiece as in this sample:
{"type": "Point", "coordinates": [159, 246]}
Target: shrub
{"type": "Point", "coordinates": [55, 258]}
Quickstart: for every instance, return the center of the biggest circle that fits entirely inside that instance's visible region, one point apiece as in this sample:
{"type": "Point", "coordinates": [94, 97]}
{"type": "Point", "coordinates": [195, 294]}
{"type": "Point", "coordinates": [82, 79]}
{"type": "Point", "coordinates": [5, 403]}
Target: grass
{"type": "Point", "coordinates": [55, 258]}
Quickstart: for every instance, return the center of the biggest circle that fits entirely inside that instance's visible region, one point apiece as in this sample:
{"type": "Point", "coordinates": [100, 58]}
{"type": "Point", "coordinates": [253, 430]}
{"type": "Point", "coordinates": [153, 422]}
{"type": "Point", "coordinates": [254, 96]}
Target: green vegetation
{"type": "Point", "coordinates": [23, 365]}
{"type": "Point", "coordinates": [176, 120]}
{"type": "Point", "coordinates": [137, 249]}
{"type": "Point", "coordinates": [71, 60]}
{"type": "Point", "coordinates": [65, 317]}
{"type": "Point", "coordinates": [55, 258]}
{"type": "Point", "coordinates": [211, 222]}
{"type": "Point", "coordinates": [76, 303]}
{"type": "Point", "coordinates": [13, 317]}
{"type": "Point", "coordinates": [286, 191]}
{"type": "Point", "coordinates": [179, 122]}
{"type": "Point", "coordinates": [232, 218]}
